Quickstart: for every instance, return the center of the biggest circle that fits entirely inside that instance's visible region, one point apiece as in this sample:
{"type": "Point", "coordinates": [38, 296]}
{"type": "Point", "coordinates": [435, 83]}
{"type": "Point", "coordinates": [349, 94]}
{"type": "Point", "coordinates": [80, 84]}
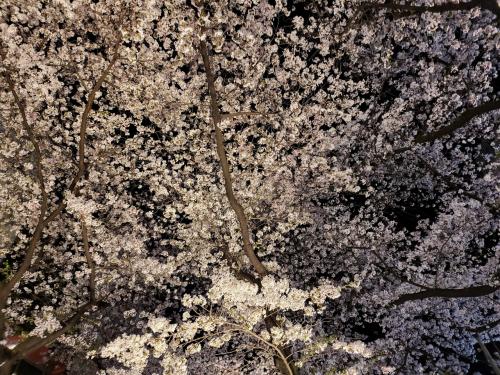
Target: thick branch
{"type": "Point", "coordinates": [282, 363]}
{"type": "Point", "coordinates": [221, 151]}
{"type": "Point", "coordinates": [490, 5]}
{"type": "Point", "coordinates": [460, 122]}
{"type": "Point", "coordinates": [239, 273]}
{"type": "Point", "coordinates": [475, 291]}
{"type": "Point", "coordinates": [270, 318]}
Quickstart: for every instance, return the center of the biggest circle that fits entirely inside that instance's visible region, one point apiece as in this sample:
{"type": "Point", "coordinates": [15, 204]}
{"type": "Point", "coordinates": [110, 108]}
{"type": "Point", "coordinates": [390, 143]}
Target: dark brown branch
{"type": "Point", "coordinates": [475, 291]}
{"type": "Point", "coordinates": [270, 319]}
{"type": "Point", "coordinates": [490, 5]}
{"type": "Point", "coordinates": [460, 122]}
{"type": "Point", "coordinates": [7, 287]}
{"type": "Point", "coordinates": [221, 151]}
{"type": "Point", "coordinates": [83, 132]}
{"type": "Point", "coordinates": [33, 343]}
{"type": "Point", "coordinates": [239, 273]}
{"type": "Point", "coordinates": [86, 113]}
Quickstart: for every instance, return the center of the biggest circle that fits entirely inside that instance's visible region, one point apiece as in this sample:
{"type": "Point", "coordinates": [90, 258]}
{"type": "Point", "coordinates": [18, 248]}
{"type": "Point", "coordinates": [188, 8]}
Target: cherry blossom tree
{"type": "Point", "coordinates": [261, 187]}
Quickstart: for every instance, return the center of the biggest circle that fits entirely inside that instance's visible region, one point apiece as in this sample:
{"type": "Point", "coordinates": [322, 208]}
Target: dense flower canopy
{"type": "Point", "coordinates": [250, 187]}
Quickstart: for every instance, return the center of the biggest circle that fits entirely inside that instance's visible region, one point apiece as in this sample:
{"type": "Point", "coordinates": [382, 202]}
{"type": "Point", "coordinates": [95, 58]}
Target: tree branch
{"type": "Point", "coordinates": [484, 327]}
{"type": "Point", "coordinates": [275, 348]}
{"type": "Point", "coordinates": [405, 9]}
{"type": "Point", "coordinates": [31, 344]}
{"type": "Point", "coordinates": [460, 122]}
{"type": "Point", "coordinates": [83, 132]}
{"type": "Point", "coordinates": [221, 151]}
{"type": "Point", "coordinates": [86, 113]}
{"type": "Point", "coordinates": [475, 291]}
{"type": "Point", "coordinates": [7, 286]}
{"type": "Point", "coordinates": [239, 273]}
